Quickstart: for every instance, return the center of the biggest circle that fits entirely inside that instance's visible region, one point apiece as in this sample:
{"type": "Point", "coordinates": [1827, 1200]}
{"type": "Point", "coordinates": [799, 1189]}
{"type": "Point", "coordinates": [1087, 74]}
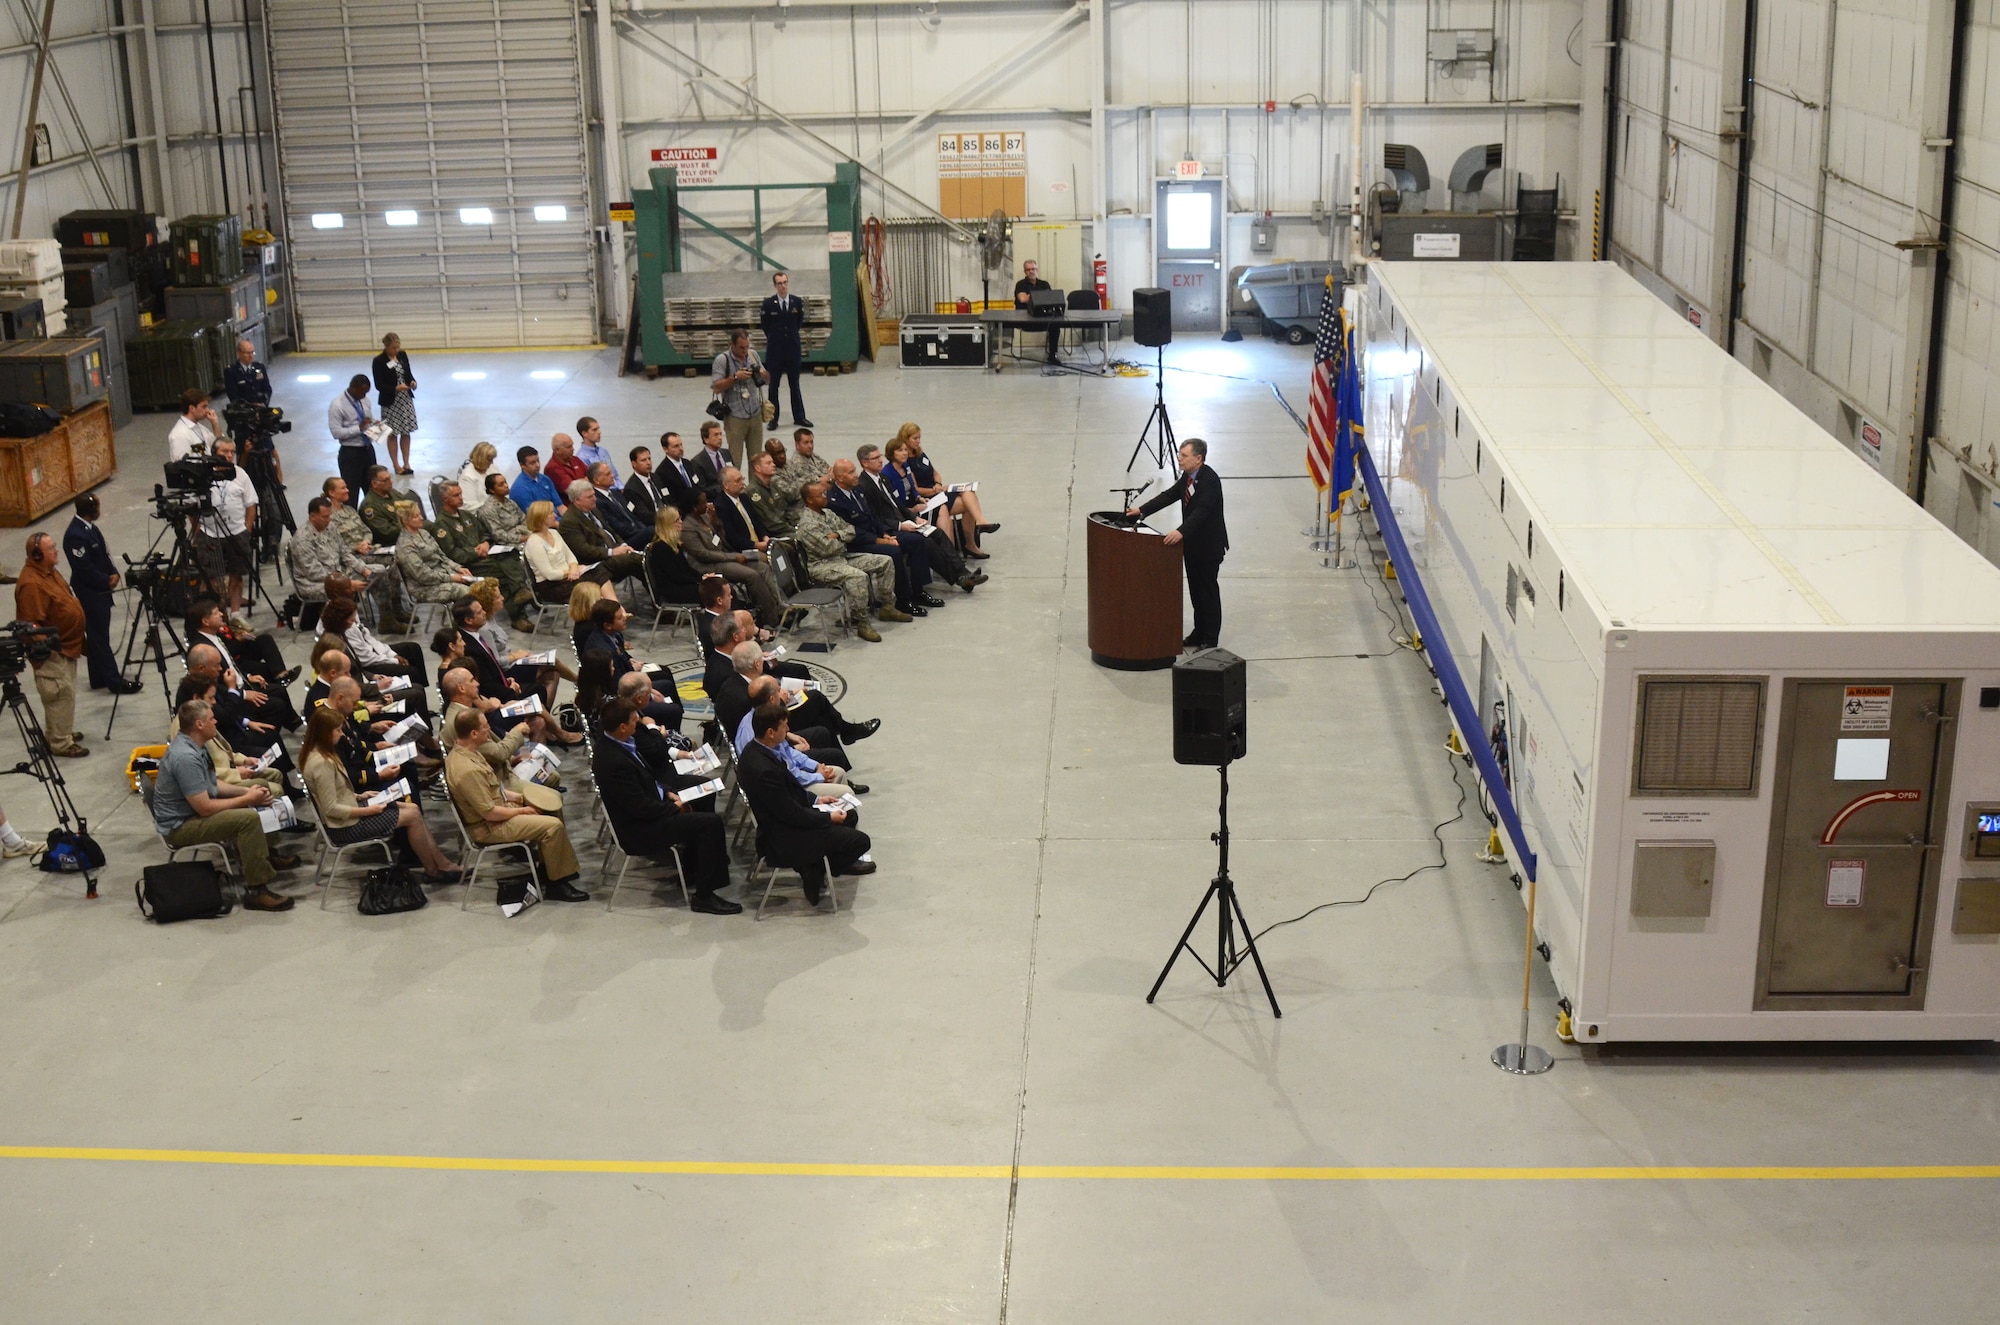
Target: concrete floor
{"type": "Point", "coordinates": [980, 1004]}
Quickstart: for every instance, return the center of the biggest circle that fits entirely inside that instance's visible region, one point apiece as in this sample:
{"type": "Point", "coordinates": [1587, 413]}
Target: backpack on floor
{"type": "Point", "coordinates": [182, 890]}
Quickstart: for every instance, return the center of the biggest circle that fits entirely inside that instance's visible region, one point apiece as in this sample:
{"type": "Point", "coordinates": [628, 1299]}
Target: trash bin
{"type": "Point", "coordinates": [1288, 295]}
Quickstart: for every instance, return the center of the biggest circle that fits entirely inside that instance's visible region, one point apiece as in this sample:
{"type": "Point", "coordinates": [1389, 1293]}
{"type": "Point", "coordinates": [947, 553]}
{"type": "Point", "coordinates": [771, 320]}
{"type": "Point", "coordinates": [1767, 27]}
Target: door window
{"type": "Point", "coordinates": [1190, 224]}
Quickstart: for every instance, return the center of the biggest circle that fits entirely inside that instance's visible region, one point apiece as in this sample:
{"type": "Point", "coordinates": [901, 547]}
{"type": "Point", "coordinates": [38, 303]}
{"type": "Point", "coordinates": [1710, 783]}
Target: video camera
{"type": "Point", "coordinates": [247, 418]}
{"type": "Point", "coordinates": [145, 574]}
{"type": "Point", "coordinates": [197, 473]}
{"type": "Point", "coordinates": [23, 644]}
{"type": "Point", "coordinates": [179, 504]}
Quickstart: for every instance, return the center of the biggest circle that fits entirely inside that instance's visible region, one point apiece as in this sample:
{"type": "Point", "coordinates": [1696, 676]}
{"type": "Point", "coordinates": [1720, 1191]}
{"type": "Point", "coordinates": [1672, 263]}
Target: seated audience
{"type": "Point", "coordinates": [235, 716]}
{"type": "Point", "coordinates": [651, 820]}
{"type": "Point", "coordinates": [643, 496]}
{"type": "Point", "coordinates": [342, 815]}
{"type": "Point", "coordinates": [492, 814]}
{"type": "Point", "coordinates": [462, 695]}
{"type": "Point", "coordinates": [258, 665]}
{"type": "Point", "coordinates": [792, 830]}
{"type": "Point", "coordinates": [431, 575]}
{"type": "Point", "coordinates": [966, 510]}
{"type": "Point", "coordinates": [462, 537]}
{"type": "Point", "coordinates": [607, 635]}
{"type": "Point", "coordinates": [590, 539]}
{"type": "Point", "coordinates": [776, 509]}
{"type": "Point", "coordinates": [232, 767]}
{"type": "Point", "coordinates": [611, 507]}
{"type": "Point", "coordinates": [505, 521]}
{"type": "Point", "coordinates": [532, 485]}
{"type": "Point", "coordinates": [379, 507]}
{"type": "Point", "coordinates": [317, 552]}
{"type": "Point", "coordinates": [668, 576]}
{"type": "Point", "coordinates": [190, 805]}
{"type": "Point", "coordinates": [477, 469]}
{"type": "Point", "coordinates": [818, 775]}
{"type": "Point", "coordinates": [742, 529]}
{"type": "Point", "coordinates": [564, 467]}
{"type": "Point", "coordinates": [375, 658]}
{"type": "Point", "coordinates": [750, 572]}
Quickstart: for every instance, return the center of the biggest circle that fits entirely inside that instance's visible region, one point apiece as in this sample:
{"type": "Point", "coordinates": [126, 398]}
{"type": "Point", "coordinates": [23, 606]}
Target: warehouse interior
{"type": "Point", "coordinates": [947, 1095]}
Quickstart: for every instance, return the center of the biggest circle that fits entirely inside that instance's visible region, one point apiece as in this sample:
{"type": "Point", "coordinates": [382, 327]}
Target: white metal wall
{"type": "Point", "coordinates": [432, 107]}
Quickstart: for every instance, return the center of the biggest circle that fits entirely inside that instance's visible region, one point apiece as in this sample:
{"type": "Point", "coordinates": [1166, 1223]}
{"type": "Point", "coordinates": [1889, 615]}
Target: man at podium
{"type": "Point", "coordinates": [1203, 536]}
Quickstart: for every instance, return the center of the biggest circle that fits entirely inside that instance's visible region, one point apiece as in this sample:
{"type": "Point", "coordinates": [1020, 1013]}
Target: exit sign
{"type": "Point", "coordinates": [1187, 170]}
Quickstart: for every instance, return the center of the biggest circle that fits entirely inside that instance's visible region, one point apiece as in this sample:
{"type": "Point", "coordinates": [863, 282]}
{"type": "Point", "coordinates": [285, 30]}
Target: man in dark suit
{"type": "Point", "coordinates": [650, 819]}
{"type": "Point", "coordinates": [1203, 537]}
{"type": "Point", "coordinates": [468, 616]}
{"type": "Point", "coordinates": [741, 529]}
{"type": "Point", "coordinates": [92, 577]}
{"type": "Point", "coordinates": [676, 477]}
{"type": "Point", "coordinates": [783, 318]}
{"type": "Point", "coordinates": [902, 547]}
{"type": "Point", "coordinates": [643, 497]}
{"type": "Point", "coordinates": [613, 511]}
{"type": "Point", "coordinates": [710, 460]}
{"type": "Point", "coordinates": [889, 514]}
{"type": "Point", "coordinates": [791, 830]}
{"type": "Point", "coordinates": [591, 540]}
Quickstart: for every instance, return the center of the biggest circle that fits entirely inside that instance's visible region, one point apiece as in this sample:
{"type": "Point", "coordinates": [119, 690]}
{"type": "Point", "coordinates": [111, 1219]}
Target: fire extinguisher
{"type": "Point", "coordinates": [1097, 277]}
{"type": "Point", "coordinates": [964, 304]}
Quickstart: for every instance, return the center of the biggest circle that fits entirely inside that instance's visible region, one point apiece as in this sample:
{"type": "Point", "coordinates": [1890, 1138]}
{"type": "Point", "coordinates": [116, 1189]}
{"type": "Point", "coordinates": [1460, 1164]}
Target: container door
{"type": "Point", "coordinates": [1863, 769]}
{"type": "Point", "coordinates": [1187, 225]}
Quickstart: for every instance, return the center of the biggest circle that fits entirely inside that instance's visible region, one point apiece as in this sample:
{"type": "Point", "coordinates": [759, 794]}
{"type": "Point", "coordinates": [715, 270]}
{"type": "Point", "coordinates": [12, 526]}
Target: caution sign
{"type": "Point", "coordinates": [622, 211]}
{"type": "Point", "coordinates": [1845, 880]}
{"type": "Point", "coordinates": [692, 165]}
{"type": "Point", "coordinates": [1866, 708]}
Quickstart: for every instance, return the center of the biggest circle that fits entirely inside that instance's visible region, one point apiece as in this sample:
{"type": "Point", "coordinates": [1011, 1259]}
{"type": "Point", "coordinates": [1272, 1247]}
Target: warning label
{"type": "Point", "coordinates": [692, 165]}
{"type": "Point", "coordinates": [1844, 882]}
{"type": "Point", "coordinates": [1866, 708]}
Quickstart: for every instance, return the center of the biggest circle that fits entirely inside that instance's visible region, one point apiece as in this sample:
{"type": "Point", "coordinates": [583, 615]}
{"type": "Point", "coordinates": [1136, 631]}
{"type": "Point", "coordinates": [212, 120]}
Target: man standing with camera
{"type": "Point", "coordinates": [43, 598]}
{"type": "Point", "coordinates": [95, 577]}
{"type": "Point", "coordinates": [735, 380]}
{"type": "Point", "coordinates": [194, 430]}
{"type": "Point", "coordinates": [226, 529]}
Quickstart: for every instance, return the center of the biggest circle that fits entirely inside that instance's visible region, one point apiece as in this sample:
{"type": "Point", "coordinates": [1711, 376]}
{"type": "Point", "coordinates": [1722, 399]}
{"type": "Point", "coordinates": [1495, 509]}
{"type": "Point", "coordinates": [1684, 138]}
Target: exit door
{"type": "Point", "coordinates": [1187, 229]}
{"type": "Point", "coordinates": [1864, 771]}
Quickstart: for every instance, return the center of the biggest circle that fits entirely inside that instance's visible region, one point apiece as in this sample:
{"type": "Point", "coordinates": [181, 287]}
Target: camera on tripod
{"type": "Point", "coordinates": [196, 473]}
{"type": "Point", "coordinates": [248, 419]}
{"type": "Point", "coordinates": [146, 574]}
{"type": "Point", "coordinates": [23, 645]}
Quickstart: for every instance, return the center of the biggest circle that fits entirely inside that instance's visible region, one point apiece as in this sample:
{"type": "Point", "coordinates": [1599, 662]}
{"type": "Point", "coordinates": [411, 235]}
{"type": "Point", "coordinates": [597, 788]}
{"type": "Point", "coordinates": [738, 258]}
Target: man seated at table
{"type": "Point", "coordinates": [1030, 282]}
{"type": "Point", "coordinates": [649, 817]}
{"type": "Point", "coordinates": [492, 814]}
{"type": "Point", "coordinates": [191, 806]}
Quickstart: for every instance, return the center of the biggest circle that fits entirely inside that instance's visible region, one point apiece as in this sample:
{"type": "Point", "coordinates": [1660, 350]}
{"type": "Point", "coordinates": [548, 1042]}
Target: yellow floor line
{"type": "Point", "coordinates": [998, 1172]}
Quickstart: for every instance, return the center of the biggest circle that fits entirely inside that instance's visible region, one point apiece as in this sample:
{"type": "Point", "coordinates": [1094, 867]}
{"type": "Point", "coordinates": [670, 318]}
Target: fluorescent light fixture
{"type": "Point", "coordinates": [476, 215]}
{"type": "Point", "coordinates": [468, 377]}
{"type": "Point", "coordinates": [402, 216]}
{"type": "Point", "coordinates": [328, 220]}
{"type": "Point", "coordinates": [552, 213]}
{"type": "Point", "coordinates": [315, 377]}
{"type": "Point", "coordinates": [548, 375]}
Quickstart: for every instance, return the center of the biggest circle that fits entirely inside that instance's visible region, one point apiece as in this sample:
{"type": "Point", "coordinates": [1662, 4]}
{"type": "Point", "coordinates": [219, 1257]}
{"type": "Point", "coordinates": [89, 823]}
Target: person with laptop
{"type": "Point", "coordinates": [1024, 297]}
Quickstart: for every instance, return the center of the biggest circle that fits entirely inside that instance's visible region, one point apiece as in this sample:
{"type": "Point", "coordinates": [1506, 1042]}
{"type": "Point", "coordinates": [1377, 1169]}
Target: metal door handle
{"type": "Point", "coordinates": [1898, 964]}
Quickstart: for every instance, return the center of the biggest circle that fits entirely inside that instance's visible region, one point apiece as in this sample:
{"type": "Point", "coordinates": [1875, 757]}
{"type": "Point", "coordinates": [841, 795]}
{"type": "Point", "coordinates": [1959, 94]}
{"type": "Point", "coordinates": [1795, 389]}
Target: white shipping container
{"type": "Point", "coordinates": [48, 289]}
{"type": "Point", "coordinates": [30, 260]}
{"type": "Point", "coordinates": [1749, 692]}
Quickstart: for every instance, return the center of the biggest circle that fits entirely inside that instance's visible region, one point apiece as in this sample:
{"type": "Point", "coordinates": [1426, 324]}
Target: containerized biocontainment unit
{"type": "Point", "coordinates": [1747, 693]}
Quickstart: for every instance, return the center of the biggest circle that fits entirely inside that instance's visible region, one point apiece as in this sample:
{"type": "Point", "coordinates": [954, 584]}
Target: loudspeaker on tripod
{"type": "Point", "coordinates": [1152, 316]}
{"type": "Point", "coordinates": [1210, 708]}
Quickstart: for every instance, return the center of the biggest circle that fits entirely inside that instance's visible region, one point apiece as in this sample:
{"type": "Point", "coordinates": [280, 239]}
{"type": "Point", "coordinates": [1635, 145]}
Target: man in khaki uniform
{"type": "Point", "coordinates": [492, 814]}
{"type": "Point", "coordinates": [823, 537]}
{"type": "Point", "coordinates": [461, 695]}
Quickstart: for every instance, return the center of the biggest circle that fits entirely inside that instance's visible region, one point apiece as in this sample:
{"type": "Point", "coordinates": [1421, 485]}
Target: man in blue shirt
{"type": "Point", "coordinates": [590, 447]}
{"type": "Point", "coordinates": [819, 779]}
{"type": "Point", "coordinates": [189, 806]}
{"type": "Point", "coordinates": [533, 485]}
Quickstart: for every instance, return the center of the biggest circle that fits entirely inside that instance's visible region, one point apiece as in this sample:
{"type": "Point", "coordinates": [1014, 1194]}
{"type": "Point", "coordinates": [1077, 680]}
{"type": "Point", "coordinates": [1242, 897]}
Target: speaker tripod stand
{"type": "Point", "coordinates": [1228, 918]}
{"type": "Point", "coordinates": [1161, 445]}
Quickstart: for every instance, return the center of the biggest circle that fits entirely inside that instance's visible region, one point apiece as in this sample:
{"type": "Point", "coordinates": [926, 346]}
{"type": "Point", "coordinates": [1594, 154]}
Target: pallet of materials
{"type": "Point", "coordinates": [62, 374]}
{"type": "Point", "coordinates": [38, 474]}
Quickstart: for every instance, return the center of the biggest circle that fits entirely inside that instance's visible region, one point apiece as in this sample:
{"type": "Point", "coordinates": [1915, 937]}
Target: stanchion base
{"type": "Point", "coordinates": [1523, 1060]}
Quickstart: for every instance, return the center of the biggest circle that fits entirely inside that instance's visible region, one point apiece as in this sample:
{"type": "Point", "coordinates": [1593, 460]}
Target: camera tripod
{"type": "Point", "coordinates": [1162, 447]}
{"type": "Point", "coordinates": [145, 614]}
{"type": "Point", "coordinates": [1228, 916]}
{"type": "Point", "coordinates": [41, 766]}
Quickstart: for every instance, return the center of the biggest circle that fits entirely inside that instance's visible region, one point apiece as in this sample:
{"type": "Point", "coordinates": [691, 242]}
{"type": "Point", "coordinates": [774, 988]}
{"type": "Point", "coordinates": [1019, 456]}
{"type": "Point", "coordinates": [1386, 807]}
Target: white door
{"type": "Point", "coordinates": [432, 157]}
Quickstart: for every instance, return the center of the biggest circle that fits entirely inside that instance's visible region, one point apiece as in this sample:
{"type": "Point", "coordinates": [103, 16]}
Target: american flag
{"type": "Point", "coordinates": [1330, 405]}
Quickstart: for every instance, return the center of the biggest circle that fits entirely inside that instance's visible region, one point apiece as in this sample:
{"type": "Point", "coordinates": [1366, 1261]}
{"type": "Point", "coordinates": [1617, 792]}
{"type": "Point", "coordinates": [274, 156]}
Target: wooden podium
{"type": "Point", "coordinates": [1135, 594]}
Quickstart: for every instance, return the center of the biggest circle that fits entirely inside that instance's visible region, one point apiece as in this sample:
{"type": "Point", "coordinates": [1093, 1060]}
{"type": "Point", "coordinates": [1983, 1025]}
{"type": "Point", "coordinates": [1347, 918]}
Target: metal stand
{"type": "Point", "coordinates": [1228, 915]}
{"type": "Point", "coordinates": [1163, 446]}
{"type": "Point", "coordinates": [1524, 1059]}
{"type": "Point", "coordinates": [41, 766]}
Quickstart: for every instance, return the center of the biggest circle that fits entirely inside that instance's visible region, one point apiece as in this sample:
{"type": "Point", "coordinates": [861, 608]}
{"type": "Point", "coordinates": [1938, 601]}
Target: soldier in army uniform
{"type": "Point", "coordinates": [463, 538]}
{"type": "Point", "coordinates": [804, 467]}
{"type": "Point", "coordinates": [823, 537]}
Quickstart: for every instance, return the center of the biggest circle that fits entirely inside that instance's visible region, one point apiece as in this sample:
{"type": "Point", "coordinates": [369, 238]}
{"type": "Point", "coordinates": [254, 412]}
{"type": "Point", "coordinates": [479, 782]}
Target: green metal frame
{"type": "Point", "coordinates": [659, 217]}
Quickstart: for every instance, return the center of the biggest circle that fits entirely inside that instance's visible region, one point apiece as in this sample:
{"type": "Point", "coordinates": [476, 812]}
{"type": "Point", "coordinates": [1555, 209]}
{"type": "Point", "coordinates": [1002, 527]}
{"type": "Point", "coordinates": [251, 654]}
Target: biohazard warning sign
{"type": "Point", "coordinates": [1866, 708]}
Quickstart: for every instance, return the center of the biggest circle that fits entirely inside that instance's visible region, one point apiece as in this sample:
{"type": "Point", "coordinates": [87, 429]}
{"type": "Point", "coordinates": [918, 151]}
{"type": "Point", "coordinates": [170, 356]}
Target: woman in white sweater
{"type": "Point", "coordinates": [472, 478]}
{"type": "Point", "coordinates": [554, 566]}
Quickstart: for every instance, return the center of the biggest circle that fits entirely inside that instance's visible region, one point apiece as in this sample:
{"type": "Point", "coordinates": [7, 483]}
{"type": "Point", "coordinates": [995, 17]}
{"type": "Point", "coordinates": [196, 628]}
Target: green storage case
{"type": "Point", "coordinates": [207, 250]}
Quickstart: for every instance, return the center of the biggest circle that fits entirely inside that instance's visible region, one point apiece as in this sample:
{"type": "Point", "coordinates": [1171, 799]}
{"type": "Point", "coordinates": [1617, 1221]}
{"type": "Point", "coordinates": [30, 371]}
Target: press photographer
{"type": "Point", "coordinates": [228, 528]}
{"type": "Point", "coordinates": [42, 598]}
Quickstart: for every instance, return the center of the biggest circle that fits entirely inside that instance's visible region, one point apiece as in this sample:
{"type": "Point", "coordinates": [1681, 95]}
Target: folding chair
{"type": "Point", "coordinates": [618, 849]}
{"type": "Point", "coordinates": [759, 865]}
{"type": "Point", "coordinates": [231, 864]}
{"type": "Point", "coordinates": [663, 606]}
{"type": "Point", "coordinates": [479, 852]}
{"type": "Point", "coordinates": [330, 855]}
{"type": "Point", "coordinates": [813, 602]}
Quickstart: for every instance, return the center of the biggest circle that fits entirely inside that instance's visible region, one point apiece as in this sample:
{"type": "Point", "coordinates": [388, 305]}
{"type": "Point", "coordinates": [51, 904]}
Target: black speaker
{"type": "Point", "coordinates": [1210, 708]}
{"type": "Point", "coordinates": [1152, 316]}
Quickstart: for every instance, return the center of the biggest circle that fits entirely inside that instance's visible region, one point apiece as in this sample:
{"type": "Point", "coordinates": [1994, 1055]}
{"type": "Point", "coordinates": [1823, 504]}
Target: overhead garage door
{"type": "Point", "coordinates": [432, 156]}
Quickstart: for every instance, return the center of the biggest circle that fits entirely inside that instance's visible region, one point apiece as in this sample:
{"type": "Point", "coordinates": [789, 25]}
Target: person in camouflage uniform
{"type": "Point", "coordinates": [823, 537]}
{"type": "Point", "coordinates": [432, 576]}
{"type": "Point", "coordinates": [502, 516]}
{"type": "Point", "coordinates": [354, 533]}
{"type": "Point", "coordinates": [378, 508]}
{"type": "Point", "coordinates": [464, 539]}
{"type": "Point", "coordinates": [804, 467]}
{"type": "Point", "coordinates": [778, 511]}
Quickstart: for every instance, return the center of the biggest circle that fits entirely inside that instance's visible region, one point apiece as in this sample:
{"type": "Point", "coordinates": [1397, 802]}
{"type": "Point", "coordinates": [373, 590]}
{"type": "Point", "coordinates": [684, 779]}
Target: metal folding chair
{"type": "Point", "coordinates": [231, 864]}
{"type": "Point", "coordinates": [330, 855]}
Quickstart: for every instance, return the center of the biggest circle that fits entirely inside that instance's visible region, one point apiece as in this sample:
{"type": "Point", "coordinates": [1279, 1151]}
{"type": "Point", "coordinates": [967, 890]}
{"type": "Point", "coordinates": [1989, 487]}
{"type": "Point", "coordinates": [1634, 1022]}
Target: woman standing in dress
{"type": "Point", "coordinates": [396, 393]}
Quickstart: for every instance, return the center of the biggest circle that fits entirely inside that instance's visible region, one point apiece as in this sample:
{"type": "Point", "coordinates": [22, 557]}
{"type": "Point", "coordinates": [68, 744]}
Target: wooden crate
{"type": "Point", "coordinates": [38, 474]}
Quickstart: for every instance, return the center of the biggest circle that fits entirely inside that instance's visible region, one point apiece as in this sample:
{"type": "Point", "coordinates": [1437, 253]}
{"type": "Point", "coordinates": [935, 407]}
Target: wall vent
{"type": "Point", "coordinates": [1698, 736]}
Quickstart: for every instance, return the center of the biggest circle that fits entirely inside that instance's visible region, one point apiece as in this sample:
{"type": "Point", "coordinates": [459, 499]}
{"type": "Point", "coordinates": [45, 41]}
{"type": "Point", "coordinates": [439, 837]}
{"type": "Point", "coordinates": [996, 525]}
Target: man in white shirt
{"type": "Point", "coordinates": [194, 428]}
{"type": "Point", "coordinates": [348, 418]}
{"type": "Point", "coordinates": [227, 529]}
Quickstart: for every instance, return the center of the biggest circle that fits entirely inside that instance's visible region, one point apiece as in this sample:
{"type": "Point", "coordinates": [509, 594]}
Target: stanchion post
{"type": "Point", "coordinates": [1524, 1059]}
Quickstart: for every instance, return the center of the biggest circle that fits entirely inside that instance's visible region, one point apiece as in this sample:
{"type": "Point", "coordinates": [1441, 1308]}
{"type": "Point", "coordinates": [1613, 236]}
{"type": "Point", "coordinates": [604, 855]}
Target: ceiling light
{"type": "Point", "coordinates": [400, 217]}
{"type": "Point", "coordinates": [557, 212]}
{"type": "Point", "coordinates": [328, 220]}
{"type": "Point", "coordinates": [476, 215]}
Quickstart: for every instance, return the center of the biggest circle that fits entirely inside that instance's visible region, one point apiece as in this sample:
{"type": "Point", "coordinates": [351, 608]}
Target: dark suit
{"type": "Point", "coordinates": [590, 541]}
{"type": "Point", "coordinates": [90, 572]}
{"type": "Point", "coordinates": [911, 558]}
{"type": "Point", "coordinates": [783, 322]}
{"type": "Point", "coordinates": [648, 825]}
{"type": "Point", "coordinates": [736, 535]}
{"type": "Point", "coordinates": [889, 513]}
{"type": "Point", "coordinates": [643, 498]}
{"type": "Point", "coordinates": [676, 481]}
{"type": "Point", "coordinates": [1204, 542]}
{"type": "Point", "coordinates": [617, 517]}
{"type": "Point", "coordinates": [669, 712]}
{"type": "Point", "coordinates": [790, 830]}
{"type": "Point", "coordinates": [707, 467]}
